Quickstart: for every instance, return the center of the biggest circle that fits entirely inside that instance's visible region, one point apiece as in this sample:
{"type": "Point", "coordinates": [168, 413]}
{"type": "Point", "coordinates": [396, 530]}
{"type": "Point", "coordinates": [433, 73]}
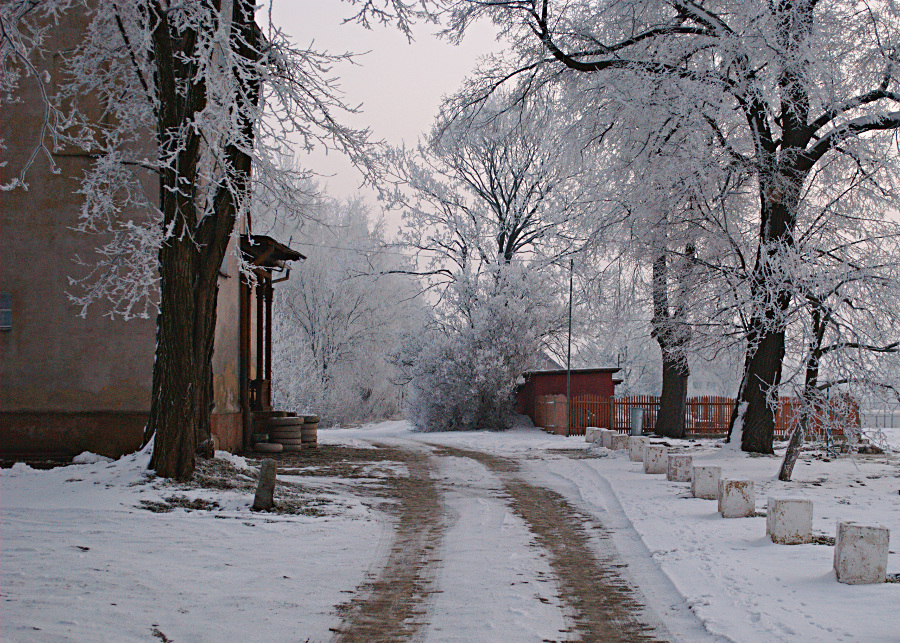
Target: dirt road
{"type": "Point", "coordinates": [398, 601]}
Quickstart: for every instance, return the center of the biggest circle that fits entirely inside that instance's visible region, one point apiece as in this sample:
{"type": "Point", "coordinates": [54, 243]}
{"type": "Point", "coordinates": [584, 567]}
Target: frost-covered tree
{"type": "Point", "coordinates": [845, 321]}
{"type": "Point", "coordinates": [784, 87]}
{"type": "Point", "coordinates": [339, 319]}
{"type": "Point", "coordinates": [193, 101]}
{"type": "Point", "coordinates": [489, 207]}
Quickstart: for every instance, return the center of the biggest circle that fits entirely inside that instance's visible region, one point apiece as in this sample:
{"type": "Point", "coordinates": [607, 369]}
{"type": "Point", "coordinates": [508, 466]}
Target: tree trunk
{"type": "Point", "coordinates": [793, 451]}
{"type": "Point", "coordinates": [819, 316]}
{"type": "Point", "coordinates": [673, 401]}
{"type": "Point", "coordinates": [762, 373]}
{"type": "Point", "coordinates": [182, 374]}
{"type": "Point", "coordinates": [190, 257]}
{"type": "Point", "coordinates": [672, 333]}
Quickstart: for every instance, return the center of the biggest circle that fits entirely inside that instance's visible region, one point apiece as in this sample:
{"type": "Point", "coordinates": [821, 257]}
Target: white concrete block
{"type": "Point", "coordinates": [705, 481]}
{"type": "Point", "coordinates": [636, 446]}
{"type": "Point", "coordinates": [860, 553]}
{"type": "Point", "coordinates": [737, 498]}
{"type": "Point", "coordinates": [589, 433]}
{"type": "Point", "coordinates": [678, 467]}
{"type": "Point", "coordinates": [789, 520]}
{"type": "Point", "coordinates": [620, 441]}
{"type": "Point", "coordinates": [655, 458]}
{"type": "Point", "coordinates": [606, 436]}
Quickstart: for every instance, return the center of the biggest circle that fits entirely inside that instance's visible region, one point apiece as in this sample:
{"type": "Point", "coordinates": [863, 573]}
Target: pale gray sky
{"type": "Point", "coordinates": [399, 84]}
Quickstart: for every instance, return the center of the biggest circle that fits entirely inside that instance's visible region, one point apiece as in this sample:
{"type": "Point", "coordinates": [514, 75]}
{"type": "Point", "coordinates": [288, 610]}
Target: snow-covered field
{"type": "Point", "coordinates": [83, 560]}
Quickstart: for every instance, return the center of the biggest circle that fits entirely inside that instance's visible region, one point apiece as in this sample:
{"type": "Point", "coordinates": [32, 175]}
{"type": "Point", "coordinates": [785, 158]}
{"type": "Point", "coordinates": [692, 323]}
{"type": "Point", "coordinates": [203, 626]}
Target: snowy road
{"type": "Point", "coordinates": [514, 562]}
{"type": "Point", "coordinates": [383, 534]}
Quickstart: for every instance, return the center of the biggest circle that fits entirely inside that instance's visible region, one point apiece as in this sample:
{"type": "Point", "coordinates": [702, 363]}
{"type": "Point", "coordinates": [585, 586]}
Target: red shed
{"type": "Point", "coordinates": [584, 381]}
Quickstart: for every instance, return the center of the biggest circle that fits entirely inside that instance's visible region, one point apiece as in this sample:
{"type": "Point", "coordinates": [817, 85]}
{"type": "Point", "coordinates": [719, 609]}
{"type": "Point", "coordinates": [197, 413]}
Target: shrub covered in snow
{"type": "Point", "coordinates": [463, 373]}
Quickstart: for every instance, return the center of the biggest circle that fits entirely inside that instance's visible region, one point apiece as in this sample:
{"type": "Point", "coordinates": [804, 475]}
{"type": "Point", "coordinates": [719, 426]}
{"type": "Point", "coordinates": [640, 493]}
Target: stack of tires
{"type": "Point", "coordinates": [309, 432]}
{"type": "Point", "coordinates": [277, 431]}
{"type": "Point", "coordinates": [286, 431]}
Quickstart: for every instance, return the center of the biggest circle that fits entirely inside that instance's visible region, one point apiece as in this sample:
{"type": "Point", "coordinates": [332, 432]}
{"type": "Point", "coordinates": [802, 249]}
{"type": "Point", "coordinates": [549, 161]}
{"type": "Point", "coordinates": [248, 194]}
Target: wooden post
{"type": "Point", "coordinates": [244, 358]}
{"type": "Point", "coordinates": [269, 293]}
{"type": "Point", "coordinates": [260, 349]}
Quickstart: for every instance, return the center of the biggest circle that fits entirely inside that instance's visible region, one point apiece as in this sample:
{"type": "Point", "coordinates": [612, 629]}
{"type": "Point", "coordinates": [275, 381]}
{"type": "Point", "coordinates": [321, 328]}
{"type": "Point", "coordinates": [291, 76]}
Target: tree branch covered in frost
{"type": "Point", "coordinates": [465, 378]}
{"type": "Point", "coordinates": [492, 206]}
{"type": "Point", "coordinates": [787, 88]}
{"type": "Point", "coordinates": [24, 27]}
{"type": "Point", "coordinates": [115, 98]}
{"type": "Point", "coordinates": [339, 318]}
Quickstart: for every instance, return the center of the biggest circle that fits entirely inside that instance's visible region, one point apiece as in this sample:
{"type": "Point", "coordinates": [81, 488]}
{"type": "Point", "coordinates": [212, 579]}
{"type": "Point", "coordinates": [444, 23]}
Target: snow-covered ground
{"type": "Point", "coordinates": [82, 560]}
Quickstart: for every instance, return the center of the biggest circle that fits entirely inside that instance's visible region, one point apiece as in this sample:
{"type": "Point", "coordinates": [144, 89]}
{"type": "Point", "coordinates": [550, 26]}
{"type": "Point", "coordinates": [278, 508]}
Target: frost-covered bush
{"type": "Point", "coordinates": [463, 374]}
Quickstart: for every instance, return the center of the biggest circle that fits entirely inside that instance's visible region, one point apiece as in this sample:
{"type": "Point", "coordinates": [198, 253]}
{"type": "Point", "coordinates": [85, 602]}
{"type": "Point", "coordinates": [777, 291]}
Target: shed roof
{"type": "Point", "coordinates": [586, 371]}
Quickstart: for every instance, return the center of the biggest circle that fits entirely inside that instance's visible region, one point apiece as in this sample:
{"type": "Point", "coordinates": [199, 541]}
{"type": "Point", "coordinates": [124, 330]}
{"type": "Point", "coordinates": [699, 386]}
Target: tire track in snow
{"type": "Point", "coordinates": [392, 606]}
{"type": "Point", "coordinates": [604, 607]}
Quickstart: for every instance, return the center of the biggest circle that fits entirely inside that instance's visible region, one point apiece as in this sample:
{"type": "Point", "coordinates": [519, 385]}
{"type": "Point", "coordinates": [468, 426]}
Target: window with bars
{"type": "Point", "coordinates": [5, 311]}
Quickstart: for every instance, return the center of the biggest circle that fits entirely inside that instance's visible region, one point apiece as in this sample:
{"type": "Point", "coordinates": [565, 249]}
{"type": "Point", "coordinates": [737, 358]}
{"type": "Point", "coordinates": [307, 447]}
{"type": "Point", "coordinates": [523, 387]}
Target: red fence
{"type": "Point", "coordinates": [704, 416]}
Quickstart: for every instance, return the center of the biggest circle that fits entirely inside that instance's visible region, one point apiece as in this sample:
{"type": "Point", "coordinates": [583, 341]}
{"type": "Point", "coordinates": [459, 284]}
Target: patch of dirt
{"type": "Point", "coordinates": [170, 503]}
{"type": "Point", "coordinates": [392, 605]}
{"type": "Point", "coordinates": [603, 605]}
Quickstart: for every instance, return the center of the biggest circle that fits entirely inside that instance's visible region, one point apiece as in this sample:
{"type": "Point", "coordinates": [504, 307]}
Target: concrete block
{"type": "Point", "coordinates": [636, 448]}
{"type": "Point", "coordinates": [789, 520]}
{"type": "Point", "coordinates": [589, 433]}
{"type": "Point", "coordinates": [678, 467]}
{"type": "Point", "coordinates": [655, 458]}
{"type": "Point", "coordinates": [705, 481]}
{"type": "Point", "coordinates": [620, 441]}
{"type": "Point", "coordinates": [737, 498]}
{"type": "Point", "coordinates": [606, 436]}
{"type": "Point", "coordinates": [860, 553]}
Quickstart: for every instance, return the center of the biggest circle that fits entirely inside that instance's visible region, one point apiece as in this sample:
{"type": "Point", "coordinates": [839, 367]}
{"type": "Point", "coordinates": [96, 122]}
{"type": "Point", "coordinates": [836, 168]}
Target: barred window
{"type": "Point", "coordinates": [5, 311]}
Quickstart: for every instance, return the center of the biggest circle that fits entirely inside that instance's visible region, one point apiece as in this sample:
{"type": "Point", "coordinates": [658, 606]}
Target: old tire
{"type": "Point", "coordinates": [268, 447]}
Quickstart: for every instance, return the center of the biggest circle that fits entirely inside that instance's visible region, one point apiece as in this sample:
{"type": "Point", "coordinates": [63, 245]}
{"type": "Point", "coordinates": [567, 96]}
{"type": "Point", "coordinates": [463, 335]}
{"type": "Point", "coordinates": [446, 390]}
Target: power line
{"type": "Point", "coordinates": [364, 250]}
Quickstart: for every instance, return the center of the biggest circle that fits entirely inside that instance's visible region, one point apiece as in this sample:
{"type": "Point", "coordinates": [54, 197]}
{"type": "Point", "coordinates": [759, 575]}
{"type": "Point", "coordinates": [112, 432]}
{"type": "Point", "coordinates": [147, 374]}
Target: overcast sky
{"type": "Point", "coordinates": [399, 84]}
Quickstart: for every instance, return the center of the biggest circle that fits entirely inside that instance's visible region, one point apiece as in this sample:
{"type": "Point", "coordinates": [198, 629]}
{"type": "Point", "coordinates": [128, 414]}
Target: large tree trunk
{"type": "Point", "coordinates": [182, 374]}
{"type": "Point", "coordinates": [762, 374]}
{"type": "Point", "coordinates": [672, 333]}
{"type": "Point", "coordinates": [673, 401]}
{"type": "Point", "coordinates": [190, 257]}
{"type": "Point", "coordinates": [781, 178]}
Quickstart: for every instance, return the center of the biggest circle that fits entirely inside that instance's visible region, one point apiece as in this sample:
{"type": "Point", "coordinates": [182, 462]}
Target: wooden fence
{"type": "Point", "coordinates": [704, 416]}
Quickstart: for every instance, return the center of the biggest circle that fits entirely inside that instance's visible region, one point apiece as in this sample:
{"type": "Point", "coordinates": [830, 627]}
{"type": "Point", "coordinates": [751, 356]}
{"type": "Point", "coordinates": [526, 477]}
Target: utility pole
{"type": "Point", "coordinates": [569, 356]}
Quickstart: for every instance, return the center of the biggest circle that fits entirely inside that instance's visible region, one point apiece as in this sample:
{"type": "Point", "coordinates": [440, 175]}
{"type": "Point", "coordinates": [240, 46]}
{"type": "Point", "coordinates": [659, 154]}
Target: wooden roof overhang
{"type": "Point", "coordinates": [265, 252]}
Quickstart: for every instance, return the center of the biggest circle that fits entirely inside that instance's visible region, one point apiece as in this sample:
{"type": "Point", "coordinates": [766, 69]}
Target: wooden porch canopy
{"type": "Point", "coordinates": [267, 253]}
{"type": "Point", "coordinates": [266, 257]}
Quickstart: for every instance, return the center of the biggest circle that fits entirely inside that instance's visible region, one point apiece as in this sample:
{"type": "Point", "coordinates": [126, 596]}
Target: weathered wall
{"type": "Point", "coordinates": [69, 384]}
{"type": "Point", "coordinates": [52, 360]}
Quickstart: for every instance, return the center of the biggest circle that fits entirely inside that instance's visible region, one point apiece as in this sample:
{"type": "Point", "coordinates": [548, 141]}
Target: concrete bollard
{"type": "Point", "coordinates": [620, 441]}
{"type": "Point", "coordinates": [636, 448]}
{"type": "Point", "coordinates": [678, 467]}
{"type": "Point", "coordinates": [705, 481]}
{"type": "Point", "coordinates": [655, 459]}
{"type": "Point", "coordinates": [606, 437]}
{"type": "Point", "coordinates": [265, 488]}
{"type": "Point", "coordinates": [789, 520]}
{"type": "Point", "coordinates": [860, 553]}
{"type": "Point", "coordinates": [736, 498]}
{"type": "Point", "coordinates": [589, 433]}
